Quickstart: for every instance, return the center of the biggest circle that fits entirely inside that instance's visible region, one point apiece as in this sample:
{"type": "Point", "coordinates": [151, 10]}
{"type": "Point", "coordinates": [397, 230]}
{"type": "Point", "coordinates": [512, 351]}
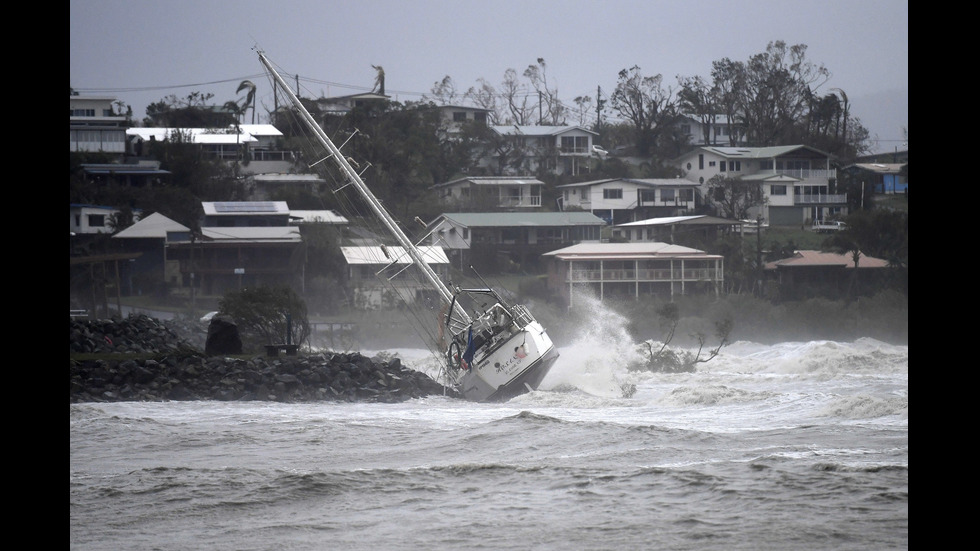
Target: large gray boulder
{"type": "Point", "coordinates": [223, 337]}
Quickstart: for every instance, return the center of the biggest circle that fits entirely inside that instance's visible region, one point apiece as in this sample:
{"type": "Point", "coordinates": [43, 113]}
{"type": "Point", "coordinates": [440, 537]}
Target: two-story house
{"type": "Point", "coordinates": [484, 239]}
{"type": "Point", "coordinates": [711, 130]}
{"type": "Point", "coordinates": [94, 126]}
{"type": "Point", "coordinates": [241, 244]}
{"type": "Point", "coordinates": [490, 192]}
{"type": "Point", "coordinates": [555, 149]}
{"type": "Point", "coordinates": [682, 230]}
{"type": "Point", "coordinates": [798, 182]}
{"type": "Point", "coordinates": [632, 271]}
{"type": "Point", "coordinates": [258, 147]}
{"type": "Point", "coordinates": [621, 200]}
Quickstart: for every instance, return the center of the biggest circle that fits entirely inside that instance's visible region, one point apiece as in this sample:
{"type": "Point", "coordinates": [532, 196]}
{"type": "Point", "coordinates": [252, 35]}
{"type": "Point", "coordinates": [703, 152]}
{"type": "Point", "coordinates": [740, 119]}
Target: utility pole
{"type": "Point", "coordinates": [598, 108]}
{"type": "Point", "coordinates": [758, 250]}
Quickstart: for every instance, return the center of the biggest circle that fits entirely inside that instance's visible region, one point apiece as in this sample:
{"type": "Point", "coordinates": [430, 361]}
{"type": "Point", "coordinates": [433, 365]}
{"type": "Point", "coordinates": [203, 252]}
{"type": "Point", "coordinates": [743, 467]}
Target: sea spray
{"type": "Point", "coordinates": [597, 359]}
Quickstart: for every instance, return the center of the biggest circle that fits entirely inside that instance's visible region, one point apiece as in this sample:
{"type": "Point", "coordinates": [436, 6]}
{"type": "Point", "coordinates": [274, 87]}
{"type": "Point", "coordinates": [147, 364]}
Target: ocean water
{"type": "Point", "coordinates": [798, 445]}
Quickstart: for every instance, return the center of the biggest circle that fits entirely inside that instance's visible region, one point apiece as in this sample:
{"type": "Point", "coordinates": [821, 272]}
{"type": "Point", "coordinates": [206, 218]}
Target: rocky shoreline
{"type": "Point", "coordinates": [154, 360]}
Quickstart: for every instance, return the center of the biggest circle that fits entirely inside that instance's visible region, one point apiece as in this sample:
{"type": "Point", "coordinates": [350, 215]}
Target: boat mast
{"type": "Point", "coordinates": [354, 178]}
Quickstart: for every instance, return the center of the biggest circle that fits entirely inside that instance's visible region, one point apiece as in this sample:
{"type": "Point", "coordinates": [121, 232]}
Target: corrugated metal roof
{"type": "Point", "coordinates": [509, 219]}
{"type": "Point", "coordinates": [808, 258]}
{"type": "Point", "coordinates": [494, 181]}
{"type": "Point", "coordinates": [515, 130]}
{"type": "Point", "coordinates": [642, 182]}
{"type": "Point", "coordinates": [879, 168]}
{"type": "Point", "coordinates": [613, 251]}
{"type": "Point", "coordinates": [196, 135]}
{"type": "Point", "coordinates": [155, 225]}
{"type": "Point", "coordinates": [376, 255]}
{"type": "Point", "coordinates": [759, 152]}
{"type": "Point", "coordinates": [316, 216]}
{"type": "Point", "coordinates": [279, 178]}
{"type": "Point", "coordinates": [678, 220]}
{"type": "Point", "coordinates": [255, 234]}
{"type": "Point", "coordinates": [237, 208]}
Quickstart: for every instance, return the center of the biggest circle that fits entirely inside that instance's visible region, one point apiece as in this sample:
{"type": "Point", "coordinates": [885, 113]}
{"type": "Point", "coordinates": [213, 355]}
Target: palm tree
{"type": "Point", "coordinates": [249, 97]}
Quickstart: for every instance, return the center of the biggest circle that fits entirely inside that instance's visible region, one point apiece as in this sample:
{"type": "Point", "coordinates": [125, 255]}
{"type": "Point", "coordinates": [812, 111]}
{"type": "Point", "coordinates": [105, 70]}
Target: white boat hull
{"type": "Point", "coordinates": [513, 367]}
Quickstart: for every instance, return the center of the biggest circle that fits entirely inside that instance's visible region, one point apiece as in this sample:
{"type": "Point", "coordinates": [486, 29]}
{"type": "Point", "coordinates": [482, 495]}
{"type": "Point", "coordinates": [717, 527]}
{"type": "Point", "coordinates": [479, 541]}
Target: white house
{"type": "Point", "coordinates": [620, 200]}
{"type": "Point", "coordinates": [632, 270]}
{"type": "Point", "coordinates": [94, 126]}
{"type": "Point", "coordinates": [711, 130]}
{"type": "Point", "coordinates": [488, 192]}
{"type": "Point", "coordinates": [556, 149]}
{"type": "Point", "coordinates": [798, 183]}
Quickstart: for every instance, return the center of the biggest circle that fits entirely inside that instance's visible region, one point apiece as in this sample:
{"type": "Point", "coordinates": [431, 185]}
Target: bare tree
{"type": "Point", "coordinates": [444, 91]}
{"type": "Point", "coordinates": [551, 111]}
{"type": "Point", "coordinates": [733, 197]}
{"type": "Point", "coordinates": [485, 96]}
{"type": "Point", "coordinates": [698, 99]}
{"type": "Point", "coordinates": [515, 96]}
{"type": "Point", "coordinates": [646, 104]}
{"type": "Point", "coordinates": [776, 87]}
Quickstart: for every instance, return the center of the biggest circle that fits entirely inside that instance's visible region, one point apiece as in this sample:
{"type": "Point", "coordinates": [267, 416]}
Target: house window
{"type": "Point", "coordinates": [612, 193]}
{"type": "Point", "coordinates": [480, 116]}
{"type": "Point", "coordinates": [585, 194]}
{"type": "Point", "coordinates": [712, 163]}
{"type": "Point", "coordinates": [701, 162]}
{"type": "Point", "coordinates": [666, 195]}
{"type": "Point", "coordinates": [686, 195]}
{"type": "Point", "coordinates": [765, 165]}
{"type": "Point", "coordinates": [686, 128]}
{"type": "Point", "coordinates": [96, 220]}
{"type": "Point", "coordinates": [574, 144]}
{"type": "Point", "coordinates": [459, 116]}
{"type": "Point", "coordinates": [777, 189]}
{"type": "Point", "coordinates": [735, 166]}
{"type": "Point", "coordinates": [722, 166]}
{"type": "Point", "coordinates": [466, 233]}
{"type": "Point", "coordinates": [648, 195]}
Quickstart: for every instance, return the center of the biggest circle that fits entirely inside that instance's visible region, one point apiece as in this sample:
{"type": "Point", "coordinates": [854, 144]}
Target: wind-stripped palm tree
{"type": "Point", "coordinates": [249, 97]}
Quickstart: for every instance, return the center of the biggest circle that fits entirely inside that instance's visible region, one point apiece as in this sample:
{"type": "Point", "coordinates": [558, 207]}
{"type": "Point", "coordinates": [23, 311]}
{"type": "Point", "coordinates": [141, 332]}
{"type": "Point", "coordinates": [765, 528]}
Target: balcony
{"type": "Point", "coordinates": [528, 201]}
{"type": "Point", "coordinates": [808, 173]}
{"type": "Point", "coordinates": [655, 275]}
{"type": "Point", "coordinates": [821, 199]}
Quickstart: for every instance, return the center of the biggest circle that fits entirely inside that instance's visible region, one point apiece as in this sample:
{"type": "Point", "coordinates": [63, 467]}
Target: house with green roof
{"type": "Point", "coordinates": [504, 241]}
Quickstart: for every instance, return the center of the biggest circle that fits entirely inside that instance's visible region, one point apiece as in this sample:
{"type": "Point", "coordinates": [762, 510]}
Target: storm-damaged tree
{"type": "Point", "coordinates": [647, 105]}
{"type": "Point", "coordinates": [192, 111]}
{"type": "Point", "coordinates": [732, 197]}
{"type": "Point", "coordinates": [666, 360]}
{"type": "Point", "coordinates": [551, 110]}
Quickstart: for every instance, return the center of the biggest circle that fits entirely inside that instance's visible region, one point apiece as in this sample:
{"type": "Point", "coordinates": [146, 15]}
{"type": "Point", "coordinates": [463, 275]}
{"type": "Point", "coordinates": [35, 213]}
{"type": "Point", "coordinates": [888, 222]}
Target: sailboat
{"type": "Point", "coordinates": [490, 349]}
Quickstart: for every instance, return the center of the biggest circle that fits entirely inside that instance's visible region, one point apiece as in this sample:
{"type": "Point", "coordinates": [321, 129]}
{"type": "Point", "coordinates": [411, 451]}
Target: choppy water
{"type": "Point", "coordinates": [800, 445]}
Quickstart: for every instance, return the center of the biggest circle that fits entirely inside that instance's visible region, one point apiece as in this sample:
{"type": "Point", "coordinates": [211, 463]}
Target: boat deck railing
{"type": "Point", "coordinates": [522, 315]}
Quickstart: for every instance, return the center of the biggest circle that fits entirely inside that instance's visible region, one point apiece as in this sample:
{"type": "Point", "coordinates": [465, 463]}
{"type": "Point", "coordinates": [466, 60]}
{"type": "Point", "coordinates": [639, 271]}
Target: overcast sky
{"type": "Point", "coordinates": [142, 52]}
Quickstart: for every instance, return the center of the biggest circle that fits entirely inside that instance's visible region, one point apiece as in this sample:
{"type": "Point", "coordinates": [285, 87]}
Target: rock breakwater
{"type": "Point", "coordinates": [145, 359]}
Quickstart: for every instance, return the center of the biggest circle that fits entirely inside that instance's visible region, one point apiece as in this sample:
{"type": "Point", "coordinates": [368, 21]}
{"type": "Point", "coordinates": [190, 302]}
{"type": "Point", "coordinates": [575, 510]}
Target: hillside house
{"type": "Point", "coordinates": [632, 271]}
{"type": "Point", "coordinates": [797, 181]}
{"type": "Point", "coordinates": [491, 192]}
{"type": "Point", "coordinates": [677, 229]}
{"type": "Point", "coordinates": [555, 149]}
{"type": "Point", "coordinates": [809, 274]}
{"type": "Point", "coordinates": [95, 126]}
{"type": "Point", "coordinates": [621, 200]}
{"type": "Point", "coordinates": [492, 241]}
